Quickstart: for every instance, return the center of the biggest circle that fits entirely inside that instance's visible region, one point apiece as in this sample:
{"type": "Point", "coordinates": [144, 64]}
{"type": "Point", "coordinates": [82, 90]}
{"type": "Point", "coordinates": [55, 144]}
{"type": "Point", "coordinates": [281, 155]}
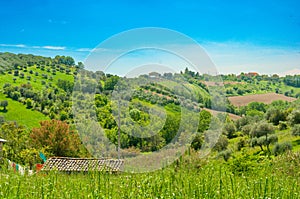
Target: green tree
{"type": "Point", "coordinates": [280, 148]}
{"type": "Point", "coordinates": [17, 138]}
{"type": "Point", "coordinates": [204, 121]}
{"type": "Point", "coordinates": [197, 141]}
{"type": "Point", "coordinates": [275, 115]}
{"type": "Point", "coordinates": [294, 117]}
{"type": "Point", "coordinates": [229, 130]}
{"type": "Point", "coordinates": [4, 104]}
{"type": "Point", "coordinates": [221, 144]}
{"type": "Point", "coordinates": [29, 103]}
{"type": "Point", "coordinates": [260, 135]}
{"type": "Point", "coordinates": [80, 65]}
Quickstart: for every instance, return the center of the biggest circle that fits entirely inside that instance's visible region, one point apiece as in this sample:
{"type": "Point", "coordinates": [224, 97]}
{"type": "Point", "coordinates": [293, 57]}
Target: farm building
{"type": "Point", "coordinates": [250, 74]}
{"type": "Point", "coordinates": [154, 75]}
{"type": "Point", "coordinates": [82, 164]}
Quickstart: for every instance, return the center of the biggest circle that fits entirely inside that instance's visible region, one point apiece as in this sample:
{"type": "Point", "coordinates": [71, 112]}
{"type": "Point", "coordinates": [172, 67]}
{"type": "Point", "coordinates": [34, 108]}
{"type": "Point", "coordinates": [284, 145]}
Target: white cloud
{"type": "Point", "coordinates": [54, 47]}
{"type": "Point", "coordinates": [13, 45]}
{"type": "Point", "coordinates": [84, 49]}
{"type": "Point", "coordinates": [33, 47]}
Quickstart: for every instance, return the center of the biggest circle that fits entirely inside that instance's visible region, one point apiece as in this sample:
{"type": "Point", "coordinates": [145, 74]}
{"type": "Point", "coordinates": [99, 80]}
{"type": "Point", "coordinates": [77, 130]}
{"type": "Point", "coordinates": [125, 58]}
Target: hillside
{"type": "Point", "coordinates": [34, 90]}
{"type": "Point", "coordinates": [16, 111]}
{"type": "Point", "coordinates": [169, 105]}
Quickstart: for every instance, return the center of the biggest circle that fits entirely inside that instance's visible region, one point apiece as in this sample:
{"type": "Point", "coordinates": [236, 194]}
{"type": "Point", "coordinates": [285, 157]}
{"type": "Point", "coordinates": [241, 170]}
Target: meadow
{"type": "Point", "coordinates": [189, 177]}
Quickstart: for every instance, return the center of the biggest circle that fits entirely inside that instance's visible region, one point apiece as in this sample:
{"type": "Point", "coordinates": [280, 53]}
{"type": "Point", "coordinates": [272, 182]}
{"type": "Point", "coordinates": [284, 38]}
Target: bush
{"type": "Point", "coordinates": [281, 148]}
{"type": "Point", "coordinates": [296, 130]}
{"type": "Point", "coordinates": [275, 115]}
{"type": "Point", "coordinates": [294, 117]}
{"type": "Point", "coordinates": [282, 125]}
{"type": "Point", "coordinates": [230, 130]}
{"type": "Point", "coordinates": [197, 142]}
{"type": "Point", "coordinates": [221, 144]}
{"type": "Point", "coordinates": [244, 163]}
{"type": "Point", "coordinates": [241, 144]}
{"type": "Point", "coordinates": [225, 154]}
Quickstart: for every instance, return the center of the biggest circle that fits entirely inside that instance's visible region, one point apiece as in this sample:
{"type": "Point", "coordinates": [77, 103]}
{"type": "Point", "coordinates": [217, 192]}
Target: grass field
{"type": "Point", "coordinates": [264, 98]}
{"type": "Point", "coordinates": [18, 112]}
{"type": "Point", "coordinates": [35, 80]}
{"type": "Point", "coordinates": [190, 177]}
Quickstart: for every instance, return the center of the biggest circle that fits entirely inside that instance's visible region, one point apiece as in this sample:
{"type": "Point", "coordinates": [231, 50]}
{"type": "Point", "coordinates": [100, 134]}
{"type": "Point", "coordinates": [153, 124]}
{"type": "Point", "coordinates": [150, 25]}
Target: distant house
{"type": "Point", "coordinates": [154, 75]}
{"type": "Point", "coordinates": [250, 74]}
{"type": "Point", "coordinates": [82, 164]}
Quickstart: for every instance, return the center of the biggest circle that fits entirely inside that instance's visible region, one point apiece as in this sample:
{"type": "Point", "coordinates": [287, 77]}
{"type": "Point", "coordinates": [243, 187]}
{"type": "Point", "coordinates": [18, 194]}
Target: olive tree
{"type": "Point", "coordinates": [260, 134]}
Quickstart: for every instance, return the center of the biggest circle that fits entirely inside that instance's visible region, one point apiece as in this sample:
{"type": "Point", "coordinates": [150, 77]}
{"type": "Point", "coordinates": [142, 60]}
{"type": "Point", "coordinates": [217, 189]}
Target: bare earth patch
{"type": "Point", "coordinates": [264, 98]}
{"type": "Point", "coordinates": [215, 113]}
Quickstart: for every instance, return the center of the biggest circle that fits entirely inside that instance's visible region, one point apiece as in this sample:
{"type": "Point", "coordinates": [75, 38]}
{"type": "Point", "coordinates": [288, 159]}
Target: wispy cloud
{"type": "Point", "coordinates": [33, 47]}
{"type": "Point", "coordinates": [84, 49]}
{"type": "Point", "coordinates": [54, 47]}
{"type": "Point", "coordinates": [13, 45]}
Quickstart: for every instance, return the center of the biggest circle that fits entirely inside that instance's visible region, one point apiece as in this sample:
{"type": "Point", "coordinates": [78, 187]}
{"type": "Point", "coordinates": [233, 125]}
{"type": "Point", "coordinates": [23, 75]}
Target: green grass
{"type": "Point", "coordinates": [191, 177]}
{"type": "Point", "coordinates": [261, 88]}
{"type": "Point", "coordinates": [192, 88]}
{"type": "Point", "coordinates": [35, 80]}
{"type": "Point", "coordinates": [18, 112]}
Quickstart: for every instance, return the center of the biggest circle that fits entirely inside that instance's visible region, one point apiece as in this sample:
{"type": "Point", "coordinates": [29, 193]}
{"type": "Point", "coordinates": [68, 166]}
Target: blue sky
{"type": "Point", "coordinates": [261, 36]}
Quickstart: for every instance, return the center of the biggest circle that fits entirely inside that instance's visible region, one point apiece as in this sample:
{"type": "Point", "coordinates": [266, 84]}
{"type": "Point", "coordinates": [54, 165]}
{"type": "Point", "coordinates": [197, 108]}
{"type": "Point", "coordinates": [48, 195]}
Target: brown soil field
{"type": "Point", "coordinates": [264, 98]}
{"type": "Point", "coordinates": [214, 113]}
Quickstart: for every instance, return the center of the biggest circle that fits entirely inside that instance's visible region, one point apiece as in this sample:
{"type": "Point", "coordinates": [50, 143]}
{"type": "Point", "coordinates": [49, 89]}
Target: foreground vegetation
{"type": "Point", "coordinates": [189, 177]}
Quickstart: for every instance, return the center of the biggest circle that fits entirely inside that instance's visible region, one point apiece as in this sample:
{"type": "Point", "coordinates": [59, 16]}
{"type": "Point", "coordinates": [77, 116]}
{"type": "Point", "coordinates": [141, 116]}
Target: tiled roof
{"type": "Point", "coordinates": [82, 164]}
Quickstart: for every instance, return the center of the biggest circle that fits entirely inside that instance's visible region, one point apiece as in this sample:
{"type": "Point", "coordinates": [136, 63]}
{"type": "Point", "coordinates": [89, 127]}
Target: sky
{"type": "Point", "coordinates": [261, 36]}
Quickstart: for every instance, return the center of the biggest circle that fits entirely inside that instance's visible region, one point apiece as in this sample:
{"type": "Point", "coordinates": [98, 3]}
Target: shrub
{"type": "Point", "coordinates": [230, 130]}
{"type": "Point", "coordinates": [296, 130]}
{"type": "Point", "coordinates": [225, 154]}
{"type": "Point", "coordinates": [275, 115]}
{"type": "Point", "coordinates": [294, 117]}
{"type": "Point", "coordinates": [197, 142]}
{"type": "Point", "coordinates": [280, 148]}
{"type": "Point", "coordinates": [221, 144]}
{"type": "Point", "coordinates": [282, 125]}
{"type": "Point", "coordinates": [241, 144]}
{"type": "Point", "coordinates": [243, 163]}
